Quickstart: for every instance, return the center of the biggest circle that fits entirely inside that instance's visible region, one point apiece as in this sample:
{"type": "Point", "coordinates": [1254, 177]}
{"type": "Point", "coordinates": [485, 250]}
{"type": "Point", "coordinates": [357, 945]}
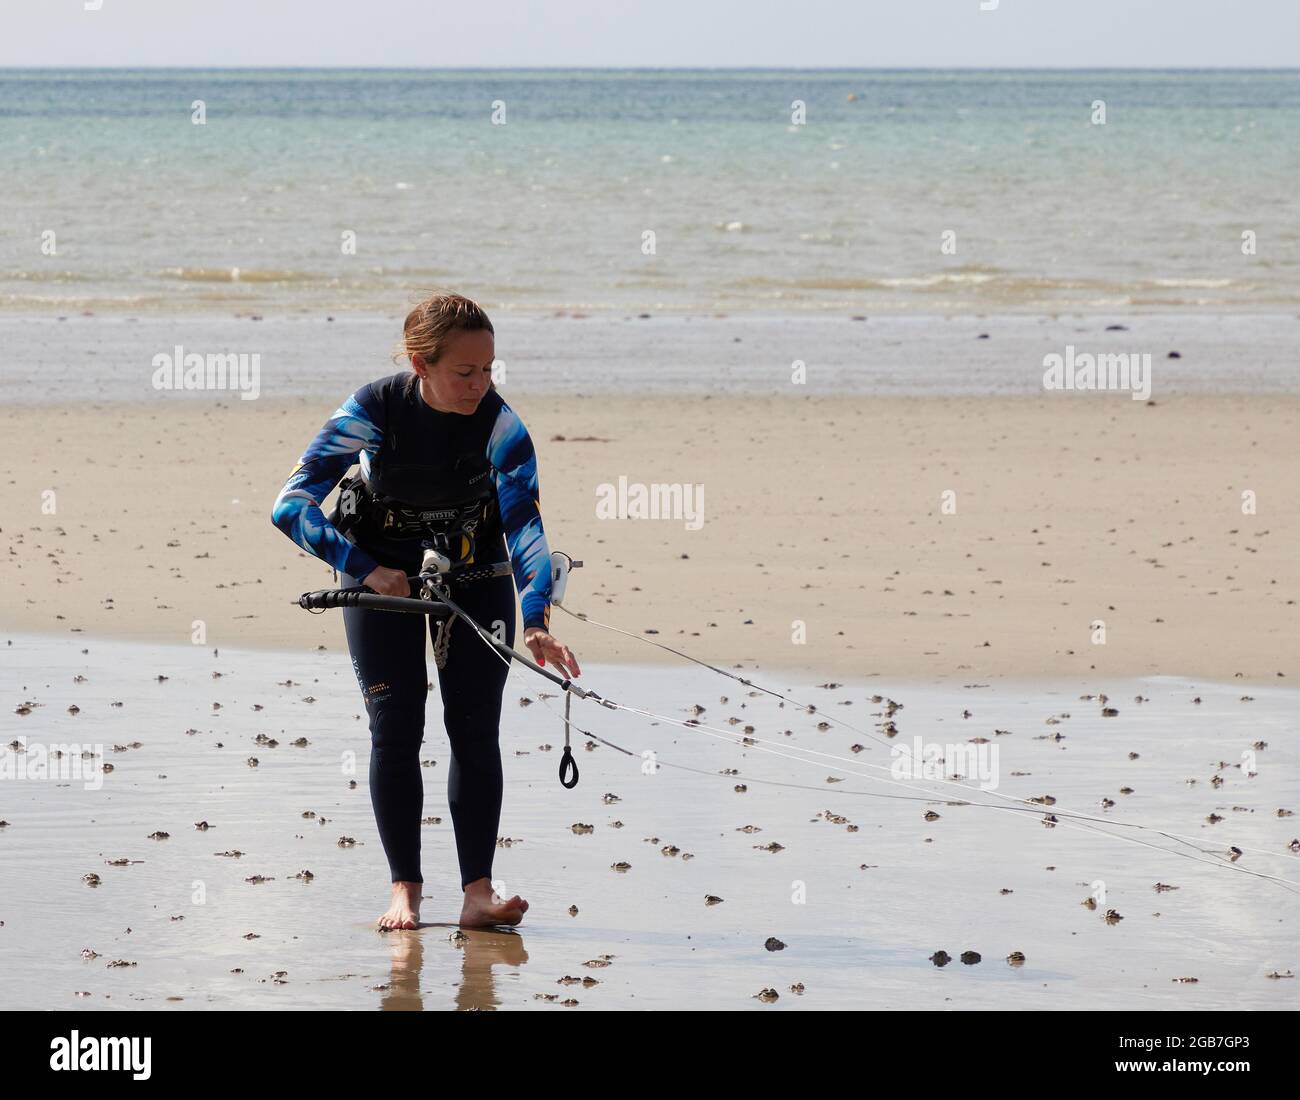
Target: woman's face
{"type": "Point", "coordinates": [461, 376]}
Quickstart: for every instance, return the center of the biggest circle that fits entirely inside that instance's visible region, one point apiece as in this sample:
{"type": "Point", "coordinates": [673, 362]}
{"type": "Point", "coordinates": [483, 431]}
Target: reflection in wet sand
{"type": "Point", "coordinates": [481, 950]}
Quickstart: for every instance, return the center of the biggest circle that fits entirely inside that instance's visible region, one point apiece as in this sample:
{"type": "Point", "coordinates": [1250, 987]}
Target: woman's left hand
{"type": "Point", "coordinates": [544, 645]}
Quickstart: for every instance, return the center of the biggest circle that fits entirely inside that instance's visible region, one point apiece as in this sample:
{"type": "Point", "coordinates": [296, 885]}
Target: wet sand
{"type": "Point", "coordinates": [883, 888]}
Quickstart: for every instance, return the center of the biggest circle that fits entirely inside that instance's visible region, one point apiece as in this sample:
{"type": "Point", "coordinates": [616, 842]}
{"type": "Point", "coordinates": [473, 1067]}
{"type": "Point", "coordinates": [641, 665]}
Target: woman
{"type": "Point", "coordinates": [445, 462]}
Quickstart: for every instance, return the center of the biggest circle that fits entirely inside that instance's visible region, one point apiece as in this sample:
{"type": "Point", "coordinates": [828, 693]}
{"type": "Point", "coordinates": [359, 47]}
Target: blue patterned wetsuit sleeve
{"type": "Point", "coordinates": [514, 472]}
{"type": "Point", "coordinates": [356, 426]}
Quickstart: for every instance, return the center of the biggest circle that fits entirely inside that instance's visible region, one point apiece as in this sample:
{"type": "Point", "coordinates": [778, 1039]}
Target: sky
{"type": "Point", "coordinates": [819, 34]}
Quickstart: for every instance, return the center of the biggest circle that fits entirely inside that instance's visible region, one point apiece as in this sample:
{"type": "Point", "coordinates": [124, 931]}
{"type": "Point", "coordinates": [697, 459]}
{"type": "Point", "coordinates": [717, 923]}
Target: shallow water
{"type": "Point", "coordinates": [80, 359]}
{"type": "Point", "coordinates": [857, 936]}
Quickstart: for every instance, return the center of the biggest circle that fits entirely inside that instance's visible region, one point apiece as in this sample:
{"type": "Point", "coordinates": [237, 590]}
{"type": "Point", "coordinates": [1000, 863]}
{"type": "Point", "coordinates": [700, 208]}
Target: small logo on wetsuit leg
{"type": "Point", "coordinates": [369, 691]}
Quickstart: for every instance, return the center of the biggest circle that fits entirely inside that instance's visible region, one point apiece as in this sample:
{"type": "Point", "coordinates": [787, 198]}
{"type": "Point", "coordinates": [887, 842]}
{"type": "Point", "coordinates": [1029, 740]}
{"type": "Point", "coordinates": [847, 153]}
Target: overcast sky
{"type": "Point", "coordinates": [651, 33]}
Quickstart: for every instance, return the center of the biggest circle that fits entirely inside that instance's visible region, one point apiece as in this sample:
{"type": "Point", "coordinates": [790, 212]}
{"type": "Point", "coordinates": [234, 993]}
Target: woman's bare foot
{"type": "Point", "coordinates": [404, 912]}
{"type": "Point", "coordinates": [483, 908]}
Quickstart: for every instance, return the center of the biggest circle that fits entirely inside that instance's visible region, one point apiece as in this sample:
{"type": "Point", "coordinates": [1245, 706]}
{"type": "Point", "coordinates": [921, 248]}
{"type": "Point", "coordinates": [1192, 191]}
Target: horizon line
{"type": "Point", "coordinates": [662, 68]}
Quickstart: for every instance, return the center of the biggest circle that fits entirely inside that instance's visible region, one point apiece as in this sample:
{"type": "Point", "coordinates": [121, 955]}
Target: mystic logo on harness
{"type": "Point", "coordinates": [431, 517]}
{"type": "Point", "coordinates": [361, 509]}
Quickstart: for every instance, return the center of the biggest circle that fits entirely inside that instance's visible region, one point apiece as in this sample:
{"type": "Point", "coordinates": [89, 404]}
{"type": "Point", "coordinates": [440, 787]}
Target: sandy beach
{"type": "Point", "coordinates": [825, 511]}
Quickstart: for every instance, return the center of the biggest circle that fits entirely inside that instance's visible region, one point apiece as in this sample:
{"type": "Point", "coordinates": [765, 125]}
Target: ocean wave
{"type": "Point", "coordinates": [48, 276]}
{"type": "Point", "coordinates": [243, 275]}
{"type": "Point", "coordinates": [945, 279]}
{"type": "Point", "coordinates": [1191, 284]}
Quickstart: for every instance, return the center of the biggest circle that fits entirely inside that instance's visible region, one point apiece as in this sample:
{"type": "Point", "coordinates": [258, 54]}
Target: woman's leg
{"type": "Point", "coordinates": [472, 683]}
{"type": "Point", "coordinates": [388, 656]}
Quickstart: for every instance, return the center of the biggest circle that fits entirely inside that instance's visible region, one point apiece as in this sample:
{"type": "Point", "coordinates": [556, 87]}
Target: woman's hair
{"type": "Point", "coordinates": [428, 325]}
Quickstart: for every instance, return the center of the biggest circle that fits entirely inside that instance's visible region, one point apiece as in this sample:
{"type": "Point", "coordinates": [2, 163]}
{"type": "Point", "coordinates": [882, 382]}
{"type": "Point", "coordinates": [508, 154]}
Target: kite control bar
{"type": "Point", "coordinates": [365, 597]}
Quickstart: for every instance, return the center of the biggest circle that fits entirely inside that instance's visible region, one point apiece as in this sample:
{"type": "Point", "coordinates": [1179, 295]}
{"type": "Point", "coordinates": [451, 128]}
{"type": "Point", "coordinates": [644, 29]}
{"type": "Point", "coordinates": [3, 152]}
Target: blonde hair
{"type": "Point", "coordinates": [430, 323]}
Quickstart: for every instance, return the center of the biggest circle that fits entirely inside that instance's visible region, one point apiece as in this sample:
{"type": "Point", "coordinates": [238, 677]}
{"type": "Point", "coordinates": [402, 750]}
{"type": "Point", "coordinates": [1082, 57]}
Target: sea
{"type": "Point", "coordinates": [617, 192]}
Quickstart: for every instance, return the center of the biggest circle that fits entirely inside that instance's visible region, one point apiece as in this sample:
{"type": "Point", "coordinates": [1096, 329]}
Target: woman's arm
{"type": "Point", "coordinates": [514, 472]}
{"type": "Point", "coordinates": [354, 427]}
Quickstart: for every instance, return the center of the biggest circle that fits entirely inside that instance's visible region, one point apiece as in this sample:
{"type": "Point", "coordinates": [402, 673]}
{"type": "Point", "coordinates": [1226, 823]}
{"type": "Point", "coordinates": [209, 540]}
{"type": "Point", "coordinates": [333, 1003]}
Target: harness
{"type": "Point", "coordinates": [448, 528]}
{"type": "Point", "coordinates": [415, 488]}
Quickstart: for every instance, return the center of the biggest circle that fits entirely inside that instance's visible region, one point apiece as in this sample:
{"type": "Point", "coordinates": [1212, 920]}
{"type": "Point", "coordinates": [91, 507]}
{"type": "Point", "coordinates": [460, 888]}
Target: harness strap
{"type": "Point", "coordinates": [567, 763]}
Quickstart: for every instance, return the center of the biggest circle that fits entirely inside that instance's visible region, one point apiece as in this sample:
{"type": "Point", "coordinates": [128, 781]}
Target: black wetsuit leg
{"type": "Point", "coordinates": [472, 684]}
{"type": "Point", "coordinates": [388, 653]}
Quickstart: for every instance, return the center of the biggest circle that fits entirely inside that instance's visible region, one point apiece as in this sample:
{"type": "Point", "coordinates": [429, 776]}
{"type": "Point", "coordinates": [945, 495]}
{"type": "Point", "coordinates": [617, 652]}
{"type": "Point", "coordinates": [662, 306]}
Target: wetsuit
{"type": "Point", "coordinates": [480, 465]}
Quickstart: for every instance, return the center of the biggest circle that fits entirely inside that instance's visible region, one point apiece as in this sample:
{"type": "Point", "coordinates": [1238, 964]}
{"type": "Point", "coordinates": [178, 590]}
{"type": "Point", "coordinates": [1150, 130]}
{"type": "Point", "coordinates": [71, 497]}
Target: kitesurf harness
{"type": "Point", "coordinates": [406, 491]}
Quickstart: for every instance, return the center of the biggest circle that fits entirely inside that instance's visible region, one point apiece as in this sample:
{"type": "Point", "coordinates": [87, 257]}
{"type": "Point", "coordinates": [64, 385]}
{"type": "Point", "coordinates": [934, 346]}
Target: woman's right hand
{"type": "Point", "coordinates": [387, 582]}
